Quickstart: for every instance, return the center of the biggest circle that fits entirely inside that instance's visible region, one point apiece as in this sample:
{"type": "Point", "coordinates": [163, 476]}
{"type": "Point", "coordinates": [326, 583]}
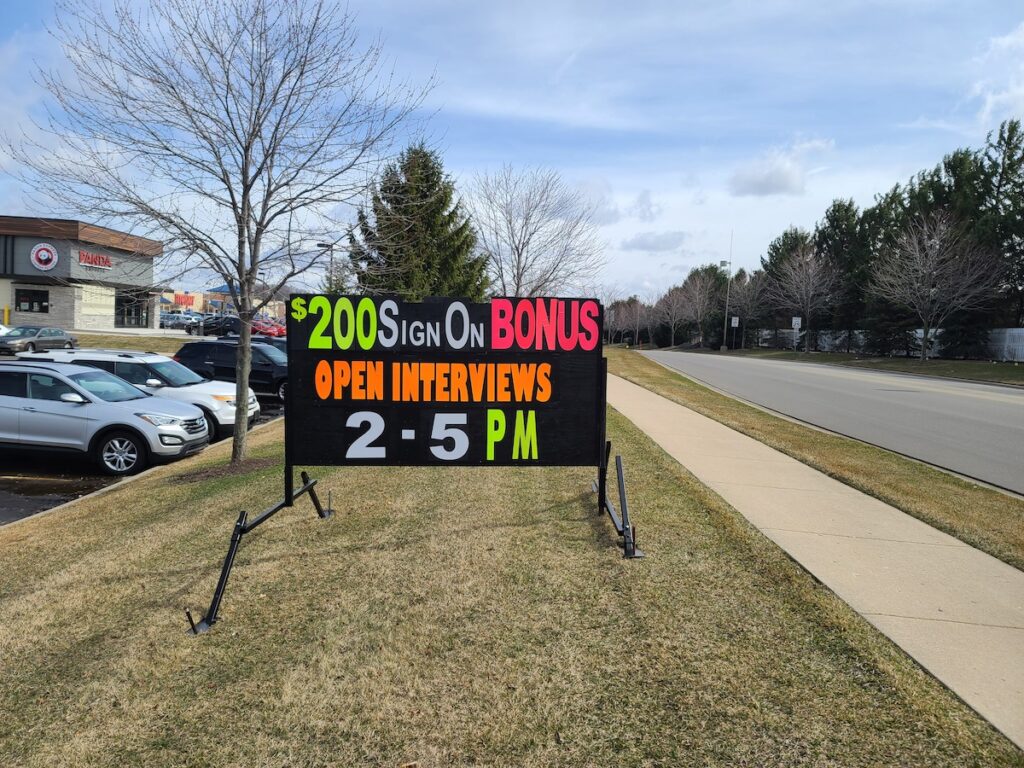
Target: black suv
{"type": "Point", "coordinates": [281, 342]}
{"type": "Point", "coordinates": [216, 360]}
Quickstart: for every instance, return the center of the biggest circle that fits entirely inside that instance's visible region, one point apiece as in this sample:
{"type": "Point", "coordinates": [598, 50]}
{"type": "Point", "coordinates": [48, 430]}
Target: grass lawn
{"type": "Point", "coordinates": [447, 617]}
{"type": "Point", "coordinates": [978, 370]}
{"type": "Point", "coordinates": [984, 518]}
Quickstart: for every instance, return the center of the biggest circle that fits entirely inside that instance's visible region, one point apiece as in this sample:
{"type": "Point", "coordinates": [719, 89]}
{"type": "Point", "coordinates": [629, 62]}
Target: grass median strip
{"type": "Point", "coordinates": [976, 370]}
{"type": "Point", "coordinates": [449, 617]}
{"type": "Point", "coordinates": [162, 345]}
{"type": "Point", "coordinates": [985, 518]}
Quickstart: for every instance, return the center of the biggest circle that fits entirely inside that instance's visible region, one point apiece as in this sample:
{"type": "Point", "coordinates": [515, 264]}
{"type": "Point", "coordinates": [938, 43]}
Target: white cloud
{"type": "Point", "coordinates": [778, 172]}
{"type": "Point", "coordinates": [1000, 89]}
{"type": "Point", "coordinates": [644, 207]}
{"type": "Point", "coordinates": [654, 241]}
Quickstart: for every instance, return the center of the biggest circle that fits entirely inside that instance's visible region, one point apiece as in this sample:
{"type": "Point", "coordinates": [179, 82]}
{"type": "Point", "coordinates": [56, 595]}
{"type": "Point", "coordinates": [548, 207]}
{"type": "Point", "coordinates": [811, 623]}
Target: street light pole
{"type": "Point", "coordinates": [728, 284]}
{"type": "Point", "coordinates": [329, 247]}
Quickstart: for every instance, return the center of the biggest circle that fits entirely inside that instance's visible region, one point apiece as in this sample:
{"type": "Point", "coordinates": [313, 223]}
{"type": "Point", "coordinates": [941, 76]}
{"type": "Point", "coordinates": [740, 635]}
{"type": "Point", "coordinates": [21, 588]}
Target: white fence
{"type": "Point", "coordinates": [1004, 344]}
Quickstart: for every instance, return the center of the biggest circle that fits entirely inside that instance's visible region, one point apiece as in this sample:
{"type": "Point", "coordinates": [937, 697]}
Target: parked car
{"type": "Point", "coordinates": [172, 320]}
{"type": "Point", "coordinates": [215, 359]}
{"type": "Point", "coordinates": [215, 326]}
{"type": "Point", "coordinates": [58, 406]}
{"type": "Point", "coordinates": [279, 342]}
{"type": "Point", "coordinates": [267, 328]}
{"type": "Point", "coordinates": [29, 338]}
{"type": "Point", "coordinates": [161, 376]}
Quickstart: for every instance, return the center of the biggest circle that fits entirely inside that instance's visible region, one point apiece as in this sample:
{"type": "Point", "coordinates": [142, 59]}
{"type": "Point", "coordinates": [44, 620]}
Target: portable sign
{"type": "Point", "coordinates": [378, 381]}
{"type": "Point", "coordinates": [797, 322]}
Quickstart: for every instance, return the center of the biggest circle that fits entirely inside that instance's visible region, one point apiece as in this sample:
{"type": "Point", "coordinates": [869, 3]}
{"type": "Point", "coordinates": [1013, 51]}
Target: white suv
{"type": "Point", "coordinates": [159, 375]}
{"type": "Point", "coordinates": [55, 406]}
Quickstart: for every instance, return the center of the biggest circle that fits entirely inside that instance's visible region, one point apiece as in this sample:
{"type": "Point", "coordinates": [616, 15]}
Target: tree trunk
{"type": "Point", "coordinates": [243, 362]}
{"type": "Point", "coordinates": [743, 334]}
{"type": "Point", "coordinates": [924, 342]}
{"type": "Point", "coordinates": [672, 335]}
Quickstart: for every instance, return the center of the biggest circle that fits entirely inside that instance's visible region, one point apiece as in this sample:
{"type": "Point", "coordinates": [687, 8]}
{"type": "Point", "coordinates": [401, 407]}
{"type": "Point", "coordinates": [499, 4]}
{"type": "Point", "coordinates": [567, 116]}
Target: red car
{"type": "Point", "coordinates": [267, 328]}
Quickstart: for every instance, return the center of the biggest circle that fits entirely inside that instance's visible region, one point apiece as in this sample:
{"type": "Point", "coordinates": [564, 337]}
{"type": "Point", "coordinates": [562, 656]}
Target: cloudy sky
{"type": "Point", "coordinates": [685, 122]}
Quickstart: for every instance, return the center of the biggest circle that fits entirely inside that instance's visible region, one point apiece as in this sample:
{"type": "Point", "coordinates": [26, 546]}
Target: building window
{"type": "Point", "coordinates": [26, 300]}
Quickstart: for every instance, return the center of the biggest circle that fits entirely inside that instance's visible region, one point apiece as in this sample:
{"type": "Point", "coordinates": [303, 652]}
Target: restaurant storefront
{"type": "Point", "coordinates": [75, 275]}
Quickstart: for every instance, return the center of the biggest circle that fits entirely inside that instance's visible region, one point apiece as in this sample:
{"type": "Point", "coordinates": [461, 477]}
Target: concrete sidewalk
{"type": "Point", "coordinates": [956, 610]}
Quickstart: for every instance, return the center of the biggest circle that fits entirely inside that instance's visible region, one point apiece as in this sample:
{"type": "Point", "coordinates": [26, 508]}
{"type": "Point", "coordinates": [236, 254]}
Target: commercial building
{"type": "Point", "coordinates": [72, 274]}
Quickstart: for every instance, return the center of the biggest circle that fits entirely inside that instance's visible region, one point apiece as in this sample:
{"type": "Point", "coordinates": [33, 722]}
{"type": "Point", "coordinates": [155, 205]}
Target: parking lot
{"type": "Point", "coordinates": [34, 482]}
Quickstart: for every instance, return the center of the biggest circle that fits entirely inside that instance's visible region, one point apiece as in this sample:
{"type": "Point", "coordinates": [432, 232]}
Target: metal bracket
{"type": "Point", "coordinates": [242, 526]}
{"type": "Point", "coordinates": [623, 527]}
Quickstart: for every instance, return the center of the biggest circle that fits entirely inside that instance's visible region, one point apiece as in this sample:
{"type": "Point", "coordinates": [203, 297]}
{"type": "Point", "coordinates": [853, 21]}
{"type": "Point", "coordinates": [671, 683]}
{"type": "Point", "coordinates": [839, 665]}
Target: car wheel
{"type": "Point", "coordinates": [30, 347]}
{"type": "Point", "coordinates": [68, 345]}
{"type": "Point", "coordinates": [121, 453]}
{"type": "Point", "coordinates": [281, 390]}
{"type": "Point", "coordinates": [211, 426]}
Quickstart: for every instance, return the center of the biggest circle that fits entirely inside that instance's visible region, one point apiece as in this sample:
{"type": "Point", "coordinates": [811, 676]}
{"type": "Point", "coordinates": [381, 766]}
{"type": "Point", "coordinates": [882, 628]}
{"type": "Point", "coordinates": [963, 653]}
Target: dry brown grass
{"type": "Point", "coordinates": [975, 370]}
{"type": "Point", "coordinates": [985, 518]}
{"type": "Point", "coordinates": [164, 345]}
{"type": "Point", "coordinates": [450, 617]}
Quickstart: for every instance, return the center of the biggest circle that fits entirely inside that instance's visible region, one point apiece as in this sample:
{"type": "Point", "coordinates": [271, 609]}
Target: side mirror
{"type": "Point", "coordinates": [73, 397]}
{"type": "Point", "coordinates": [154, 383]}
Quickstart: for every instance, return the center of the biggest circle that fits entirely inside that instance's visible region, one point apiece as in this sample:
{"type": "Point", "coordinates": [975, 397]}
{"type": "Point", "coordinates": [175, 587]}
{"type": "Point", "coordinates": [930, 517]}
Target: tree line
{"type": "Point", "coordinates": [937, 259]}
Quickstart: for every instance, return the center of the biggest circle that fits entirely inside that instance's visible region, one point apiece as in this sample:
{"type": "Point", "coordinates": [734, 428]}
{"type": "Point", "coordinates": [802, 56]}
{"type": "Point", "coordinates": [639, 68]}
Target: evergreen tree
{"type": "Point", "coordinates": [838, 237]}
{"type": "Point", "coordinates": [1002, 222]}
{"type": "Point", "coordinates": [416, 240]}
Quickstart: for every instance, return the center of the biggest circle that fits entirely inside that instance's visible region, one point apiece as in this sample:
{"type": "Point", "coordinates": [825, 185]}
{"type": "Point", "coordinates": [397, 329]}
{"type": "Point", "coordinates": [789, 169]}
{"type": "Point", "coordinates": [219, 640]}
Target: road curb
{"type": "Point", "coordinates": [120, 483]}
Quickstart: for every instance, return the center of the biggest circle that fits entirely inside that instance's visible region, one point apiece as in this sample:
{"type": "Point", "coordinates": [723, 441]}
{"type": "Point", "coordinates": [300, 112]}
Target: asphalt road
{"type": "Point", "coordinates": [974, 429]}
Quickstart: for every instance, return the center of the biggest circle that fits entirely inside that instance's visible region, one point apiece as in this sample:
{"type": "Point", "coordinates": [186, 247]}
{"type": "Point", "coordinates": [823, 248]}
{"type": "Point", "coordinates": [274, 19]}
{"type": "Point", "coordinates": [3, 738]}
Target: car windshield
{"type": "Point", "coordinates": [107, 387]}
{"type": "Point", "coordinates": [176, 374]}
{"type": "Point", "coordinates": [275, 354]}
{"type": "Point", "coordinates": [23, 330]}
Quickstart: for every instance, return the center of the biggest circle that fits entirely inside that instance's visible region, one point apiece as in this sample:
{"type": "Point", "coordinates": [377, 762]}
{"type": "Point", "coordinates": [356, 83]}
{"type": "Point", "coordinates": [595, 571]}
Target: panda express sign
{"type": "Point", "coordinates": [95, 260]}
{"type": "Point", "coordinates": [377, 381]}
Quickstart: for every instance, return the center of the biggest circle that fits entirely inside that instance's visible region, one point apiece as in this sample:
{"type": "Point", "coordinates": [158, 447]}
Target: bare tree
{"type": "Point", "coordinates": [701, 295]}
{"type": "Point", "coordinates": [934, 270]}
{"type": "Point", "coordinates": [538, 232]}
{"type": "Point", "coordinates": [230, 130]}
{"type": "Point", "coordinates": [671, 308]}
{"type": "Point", "coordinates": [750, 299]}
{"type": "Point", "coordinates": [804, 283]}
{"type": "Point", "coordinates": [650, 315]}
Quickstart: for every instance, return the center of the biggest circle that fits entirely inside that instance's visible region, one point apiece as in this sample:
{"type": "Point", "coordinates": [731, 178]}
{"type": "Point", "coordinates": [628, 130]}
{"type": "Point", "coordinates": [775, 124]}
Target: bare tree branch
{"type": "Point", "coordinates": [935, 270]}
{"type": "Point", "coordinates": [230, 130]}
{"type": "Point", "coordinates": [538, 233]}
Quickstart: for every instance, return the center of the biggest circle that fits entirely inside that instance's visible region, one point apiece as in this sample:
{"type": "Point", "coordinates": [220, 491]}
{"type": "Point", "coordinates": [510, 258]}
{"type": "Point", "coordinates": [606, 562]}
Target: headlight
{"type": "Point", "coordinates": [159, 421]}
{"type": "Point", "coordinates": [229, 399]}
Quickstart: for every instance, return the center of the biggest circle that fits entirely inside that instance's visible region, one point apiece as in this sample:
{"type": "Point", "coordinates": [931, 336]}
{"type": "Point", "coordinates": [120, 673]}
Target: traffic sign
{"type": "Point", "coordinates": [735, 322]}
{"type": "Point", "coordinates": [797, 322]}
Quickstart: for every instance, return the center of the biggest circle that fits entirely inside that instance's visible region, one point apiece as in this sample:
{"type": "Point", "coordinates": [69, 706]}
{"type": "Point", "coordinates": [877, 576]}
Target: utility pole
{"type": "Point", "coordinates": [728, 284]}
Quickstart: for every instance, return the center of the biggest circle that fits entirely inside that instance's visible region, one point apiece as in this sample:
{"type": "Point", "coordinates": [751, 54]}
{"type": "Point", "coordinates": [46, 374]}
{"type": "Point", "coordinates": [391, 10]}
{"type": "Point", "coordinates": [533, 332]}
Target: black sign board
{"type": "Point", "coordinates": [377, 381]}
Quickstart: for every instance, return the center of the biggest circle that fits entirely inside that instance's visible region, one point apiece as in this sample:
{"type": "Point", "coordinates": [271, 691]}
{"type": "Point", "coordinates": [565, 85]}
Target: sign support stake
{"type": "Point", "coordinates": [623, 527]}
{"type": "Point", "coordinates": [242, 526]}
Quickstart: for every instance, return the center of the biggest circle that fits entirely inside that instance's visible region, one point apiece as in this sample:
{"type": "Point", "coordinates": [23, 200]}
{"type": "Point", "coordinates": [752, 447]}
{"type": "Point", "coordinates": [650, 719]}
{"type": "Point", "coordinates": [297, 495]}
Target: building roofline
{"type": "Point", "coordinates": [80, 231]}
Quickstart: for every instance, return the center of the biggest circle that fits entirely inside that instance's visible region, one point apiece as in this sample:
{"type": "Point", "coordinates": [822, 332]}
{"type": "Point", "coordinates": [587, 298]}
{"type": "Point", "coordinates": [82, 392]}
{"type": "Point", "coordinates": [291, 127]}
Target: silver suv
{"type": "Point", "coordinates": [161, 376]}
{"type": "Point", "coordinates": [79, 408]}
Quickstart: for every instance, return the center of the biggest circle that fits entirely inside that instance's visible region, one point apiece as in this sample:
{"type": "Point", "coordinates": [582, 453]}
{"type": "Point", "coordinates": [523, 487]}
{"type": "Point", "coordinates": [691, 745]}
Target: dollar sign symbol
{"type": "Point", "coordinates": [298, 309]}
